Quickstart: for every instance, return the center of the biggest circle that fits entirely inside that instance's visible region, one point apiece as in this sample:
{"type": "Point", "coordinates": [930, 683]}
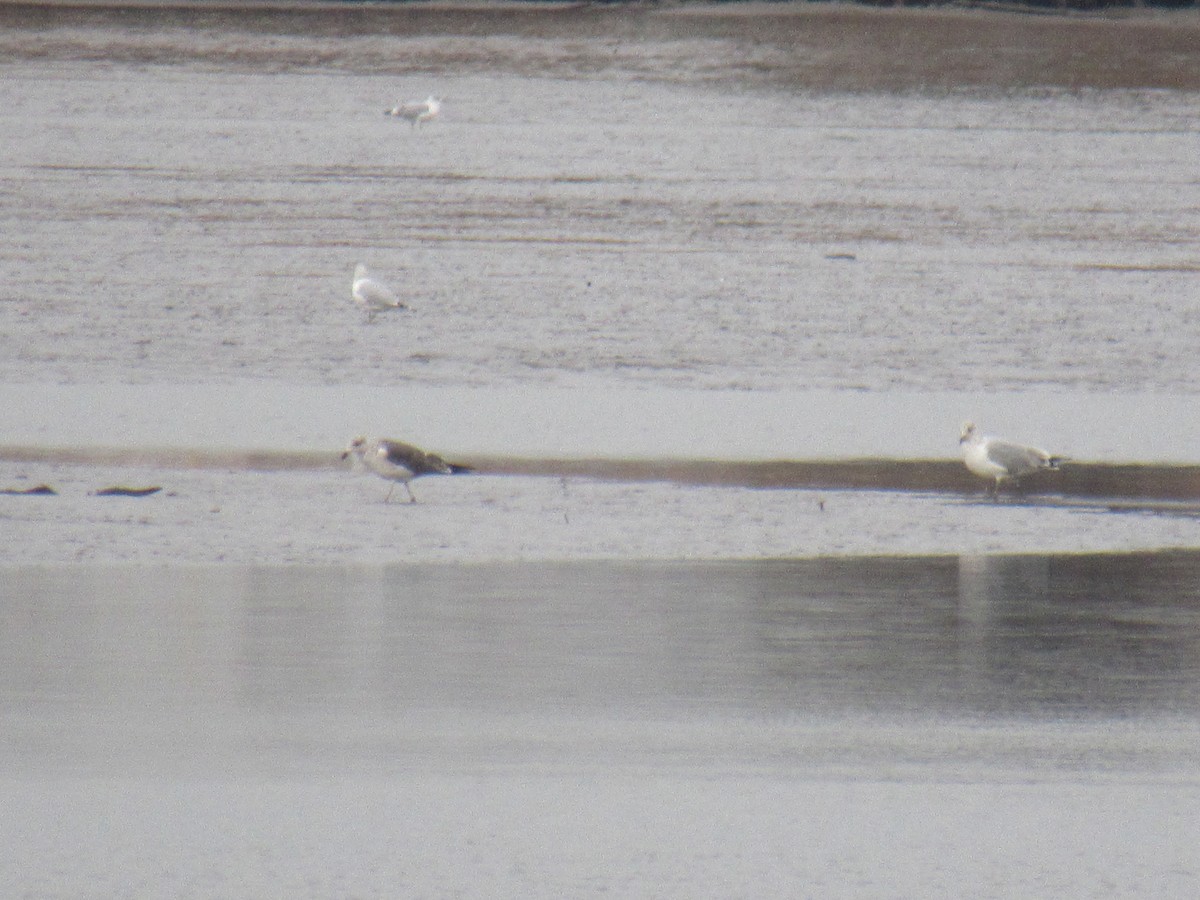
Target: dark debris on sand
{"type": "Point", "coordinates": [42, 490]}
{"type": "Point", "coordinates": [121, 491]}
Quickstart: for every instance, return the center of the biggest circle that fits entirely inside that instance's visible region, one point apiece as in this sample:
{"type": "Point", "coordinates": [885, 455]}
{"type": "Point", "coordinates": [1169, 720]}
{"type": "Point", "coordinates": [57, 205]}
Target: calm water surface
{"type": "Point", "coordinates": [101, 651]}
{"type": "Point", "coordinates": [870, 727]}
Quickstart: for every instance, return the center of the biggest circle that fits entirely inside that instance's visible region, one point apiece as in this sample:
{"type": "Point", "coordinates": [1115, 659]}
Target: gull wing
{"type": "Point", "coordinates": [373, 292]}
{"type": "Point", "coordinates": [413, 458]}
{"type": "Point", "coordinates": [1015, 458]}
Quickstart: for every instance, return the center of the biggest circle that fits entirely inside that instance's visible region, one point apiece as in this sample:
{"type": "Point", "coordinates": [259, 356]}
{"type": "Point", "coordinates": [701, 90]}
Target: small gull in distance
{"type": "Point", "coordinates": [990, 457]}
{"type": "Point", "coordinates": [417, 112]}
{"type": "Point", "coordinates": [372, 294]}
{"type": "Point", "coordinates": [398, 462]}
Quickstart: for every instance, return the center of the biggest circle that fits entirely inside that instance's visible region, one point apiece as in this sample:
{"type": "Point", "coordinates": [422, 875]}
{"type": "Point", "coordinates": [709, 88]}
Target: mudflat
{"type": "Point", "coordinates": [809, 46]}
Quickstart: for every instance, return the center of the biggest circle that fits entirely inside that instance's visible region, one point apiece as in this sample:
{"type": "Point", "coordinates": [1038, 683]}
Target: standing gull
{"type": "Point", "coordinates": [371, 293]}
{"type": "Point", "coordinates": [990, 457]}
{"type": "Point", "coordinates": [417, 112]}
{"type": "Point", "coordinates": [397, 461]}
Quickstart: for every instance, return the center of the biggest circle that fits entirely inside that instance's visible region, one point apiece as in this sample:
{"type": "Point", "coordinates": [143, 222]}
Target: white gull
{"type": "Point", "coordinates": [990, 457]}
{"type": "Point", "coordinates": [371, 293]}
{"type": "Point", "coordinates": [417, 112]}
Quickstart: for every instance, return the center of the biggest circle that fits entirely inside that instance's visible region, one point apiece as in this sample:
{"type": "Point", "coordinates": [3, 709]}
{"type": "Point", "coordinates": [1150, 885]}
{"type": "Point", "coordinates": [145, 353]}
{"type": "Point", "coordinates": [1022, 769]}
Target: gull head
{"type": "Point", "coordinates": [356, 447]}
{"type": "Point", "coordinates": [967, 433]}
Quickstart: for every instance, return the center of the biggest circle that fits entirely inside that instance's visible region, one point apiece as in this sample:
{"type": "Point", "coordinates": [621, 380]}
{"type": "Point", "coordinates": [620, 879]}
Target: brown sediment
{"type": "Point", "coordinates": [41, 490]}
{"type": "Point", "coordinates": [1164, 481]}
{"type": "Point", "coordinates": [173, 458]}
{"type": "Point", "coordinates": [1159, 481]}
{"type": "Point", "coordinates": [798, 45]}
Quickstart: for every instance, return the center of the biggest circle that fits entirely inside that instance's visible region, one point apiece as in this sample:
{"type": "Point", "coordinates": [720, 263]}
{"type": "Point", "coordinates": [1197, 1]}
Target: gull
{"type": "Point", "coordinates": [415, 111]}
{"type": "Point", "coordinates": [990, 457]}
{"type": "Point", "coordinates": [397, 461]}
{"type": "Point", "coordinates": [372, 294]}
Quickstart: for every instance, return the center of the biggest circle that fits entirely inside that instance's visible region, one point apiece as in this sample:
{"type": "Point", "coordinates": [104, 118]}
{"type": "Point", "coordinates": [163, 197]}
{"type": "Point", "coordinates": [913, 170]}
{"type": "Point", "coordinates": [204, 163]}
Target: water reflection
{"type": "Point", "coordinates": [996, 636]}
{"type": "Point", "coordinates": [975, 636]}
{"type": "Point", "coordinates": [1110, 633]}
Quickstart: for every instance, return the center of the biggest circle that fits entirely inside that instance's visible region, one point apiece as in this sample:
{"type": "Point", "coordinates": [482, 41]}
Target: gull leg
{"type": "Point", "coordinates": [388, 498]}
{"type": "Point", "coordinates": [411, 497]}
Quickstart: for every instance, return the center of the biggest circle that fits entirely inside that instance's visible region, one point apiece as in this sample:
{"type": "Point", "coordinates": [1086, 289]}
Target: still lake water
{"type": "Point", "coordinates": [180, 241]}
{"type": "Point", "coordinates": [973, 638]}
{"type": "Point", "coordinates": [704, 729]}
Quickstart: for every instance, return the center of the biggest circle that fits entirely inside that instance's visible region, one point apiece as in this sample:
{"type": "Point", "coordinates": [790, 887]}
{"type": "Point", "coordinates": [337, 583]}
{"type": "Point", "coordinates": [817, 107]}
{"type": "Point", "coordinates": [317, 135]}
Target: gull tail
{"type": "Point", "coordinates": [435, 465]}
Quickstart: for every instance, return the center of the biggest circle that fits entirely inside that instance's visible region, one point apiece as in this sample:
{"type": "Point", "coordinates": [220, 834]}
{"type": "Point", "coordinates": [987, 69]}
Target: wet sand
{"type": "Point", "coordinates": [600, 834]}
{"type": "Point", "coordinates": [827, 47]}
{"type": "Point", "coordinates": [331, 516]}
{"type": "Point", "coordinates": [620, 292]}
{"type": "Point", "coordinates": [1098, 481]}
{"type": "Point", "coordinates": [636, 225]}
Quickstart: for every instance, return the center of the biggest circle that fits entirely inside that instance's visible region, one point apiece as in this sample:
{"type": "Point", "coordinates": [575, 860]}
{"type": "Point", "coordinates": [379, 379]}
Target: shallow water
{"type": "Point", "coordinates": [971, 638]}
{"type": "Point", "coordinates": [592, 727]}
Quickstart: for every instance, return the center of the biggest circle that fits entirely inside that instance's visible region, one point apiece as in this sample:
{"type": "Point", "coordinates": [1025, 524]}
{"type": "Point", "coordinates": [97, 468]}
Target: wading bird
{"type": "Point", "coordinates": [417, 112]}
{"type": "Point", "coordinates": [398, 462]}
{"type": "Point", "coordinates": [372, 294]}
{"type": "Point", "coordinates": [990, 457]}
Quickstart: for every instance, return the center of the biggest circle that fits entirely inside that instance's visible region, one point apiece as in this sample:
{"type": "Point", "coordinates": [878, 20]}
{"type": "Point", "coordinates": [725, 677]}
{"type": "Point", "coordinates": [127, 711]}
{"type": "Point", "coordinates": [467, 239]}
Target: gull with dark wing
{"type": "Point", "coordinates": [398, 462]}
{"type": "Point", "coordinates": [372, 294]}
{"type": "Point", "coordinates": [417, 112]}
{"type": "Point", "coordinates": [990, 457]}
